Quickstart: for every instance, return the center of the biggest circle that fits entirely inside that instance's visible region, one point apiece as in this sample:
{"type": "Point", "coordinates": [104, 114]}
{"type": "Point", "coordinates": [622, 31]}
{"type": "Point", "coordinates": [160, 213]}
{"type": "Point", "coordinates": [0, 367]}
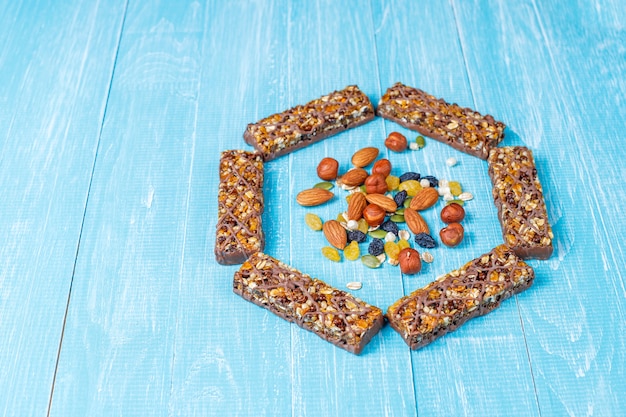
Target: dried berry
{"type": "Point", "coordinates": [376, 247]}
{"type": "Point", "coordinates": [425, 240]}
{"type": "Point", "coordinates": [410, 176]}
{"type": "Point", "coordinates": [400, 197]}
{"type": "Point", "coordinates": [390, 226]}
{"type": "Point", "coordinates": [352, 251]}
{"type": "Point", "coordinates": [434, 182]}
{"type": "Point", "coordinates": [356, 236]}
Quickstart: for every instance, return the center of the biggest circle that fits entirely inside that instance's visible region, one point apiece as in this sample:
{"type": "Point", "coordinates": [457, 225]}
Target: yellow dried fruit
{"type": "Point", "coordinates": [455, 188]}
{"type": "Point", "coordinates": [412, 187]}
{"type": "Point", "coordinates": [352, 251]}
{"type": "Point", "coordinates": [392, 182]}
{"type": "Point", "coordinates": [313, 221]}
{"type": "Point", "coordinates": [403, 244]}
{"type": "Point", "coordinates": [331, 253]}
{"type": "Point", "coordinates": [392, 250]}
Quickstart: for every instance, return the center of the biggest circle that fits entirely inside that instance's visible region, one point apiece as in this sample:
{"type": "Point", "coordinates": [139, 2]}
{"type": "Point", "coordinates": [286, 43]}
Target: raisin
{"type": "Point", "coordinates": [376, 247]}
{"type": "Point", "coordinates": [400, 197]}
{"type": "Point", "coordinates": [356, 235]}
{"type": "Point", "coordinates": [434, 182]}
{"type": "Point", "coordinates": [390, 226]}
{"type": "Point", "coordinates": [410, 176]}
{"type": "Point", "coordinates": [425, 240]}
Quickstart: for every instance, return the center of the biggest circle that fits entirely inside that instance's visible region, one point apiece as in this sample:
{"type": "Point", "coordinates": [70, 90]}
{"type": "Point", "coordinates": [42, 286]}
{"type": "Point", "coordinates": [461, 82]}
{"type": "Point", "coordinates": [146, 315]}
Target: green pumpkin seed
{"type": "Point", "coordinates": [459, 202]}
{"type": "Point", "coordinates": [370, 261]}
{"type": "Point", "coordinates": [324, 185]}
{"type": "Point", "coordinates": [397, 218]}
{"type": "Point", "coordinates": [407, 202]}
{"type": "Point", "coordinates": [378, 233]}
{"type": "Point", "coordinates": [400, 211]}
{"type": "Point", "coordinates": [421, 142]}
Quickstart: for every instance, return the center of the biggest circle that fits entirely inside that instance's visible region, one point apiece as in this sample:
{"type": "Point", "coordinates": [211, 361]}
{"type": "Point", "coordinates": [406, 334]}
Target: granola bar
{"type": "Point", "coordinates": [334, 315]}
{"type": "Point", "coordinates": [518, 196]}
{"type": "Point", "coordinates": [302, 125]}
{"type": "Point", "coordinates": [240, 205]}
{"type": "Point", "coordinates": [473, 290]}
{"type": "Point", "coordinates": [462, 128]}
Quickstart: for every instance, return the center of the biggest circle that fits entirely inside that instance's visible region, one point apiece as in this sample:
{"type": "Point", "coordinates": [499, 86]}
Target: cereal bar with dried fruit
{"type": "Point", "coordinates": [462, 128]}
{"type": "Point", "coordinates": [240, 205]}
{"type": "Point", "coordinates": [518, 196]}
{"type": "Point", "coordinates": [334, 315]}
{"type": "Point", "coordinates": [302, 125]}
{"type": "Point", "coordinates": [475, 289]}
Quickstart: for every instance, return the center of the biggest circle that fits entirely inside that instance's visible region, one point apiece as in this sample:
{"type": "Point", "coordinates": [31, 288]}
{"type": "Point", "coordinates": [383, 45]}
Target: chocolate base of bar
{"type": "Point", "coordinates": [356, 349]}
{"type": "Point", "coordinates": [306, 139]}
{"type": "Point", "coordinates": [427, 132]}
{"type": "Point", "coordinates": [459, 127]}
{"type": "Point", "coordinates": [236, 256]}
{"type": "Point", "coordinates": [418, 341]}
{"type": "Point", "coordinates": [473, 290]}
{"type": "Point", "coordinates": [334, 315]}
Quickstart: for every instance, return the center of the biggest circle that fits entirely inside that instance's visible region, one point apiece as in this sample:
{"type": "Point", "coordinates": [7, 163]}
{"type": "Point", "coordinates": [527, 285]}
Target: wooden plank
{"type": "Point", "coordinates": [464, 372]}
{"type": "Point", "coordinates": [558, 77]}
{"type": "Point", "coordinates": [554, 74]}
{"type": "Point", "coordinates": [55, 70]}
{"type": "Point", "coordinates": [232, 357]}
{"type": "Point", "coordinates": [333, 45]}
{"type": "Point", "coordinates": [119, 338]}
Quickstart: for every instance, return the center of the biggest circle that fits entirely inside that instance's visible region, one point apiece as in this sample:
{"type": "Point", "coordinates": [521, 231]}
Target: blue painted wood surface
{"type": "Point", "coordinates": [112, 117]}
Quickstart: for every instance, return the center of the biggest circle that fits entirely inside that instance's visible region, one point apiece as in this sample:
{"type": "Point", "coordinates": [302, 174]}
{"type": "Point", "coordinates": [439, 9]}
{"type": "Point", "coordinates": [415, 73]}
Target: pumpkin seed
{"type": "Point", "coordinates": [378, 234]}
{"type": "Point", "coordinates": [370, 261]}
{"type": "Point", "coordinates": [459, 202]}
{"type": "Point", "coordinates": [420, 141]}
{"type": "Point", "coordinates": [397, 218]}
{"type": "Point", "coordinates": [324, 185]}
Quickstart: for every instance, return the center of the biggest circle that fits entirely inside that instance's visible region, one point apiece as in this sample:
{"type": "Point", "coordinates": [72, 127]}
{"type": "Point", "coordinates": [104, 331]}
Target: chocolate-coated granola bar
{"type": "Point", "coordinates": [240, 205]}
{"type": "Point", "coordinates": [475, 289]}
{"type": "Point", "coordinates": [334, 315]}
{"type": "Point", "coordinates": [518, 196]}
{"type": "Point", "coordinates": [462, 128]}
{"type": "Point", "coordinates": [303, 125]}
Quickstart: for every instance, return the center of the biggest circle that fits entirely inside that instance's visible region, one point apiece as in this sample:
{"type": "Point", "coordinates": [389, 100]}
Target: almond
{"type": "Point", "coordinates": [425, 198]}
{"type": "Point", "coordinates": [364, 157]}
{"type": "Point", "coordinates": [356, 206]}
{"type": "Point", "coordinates": [335, 234]}
{"type": "Point", "coordinates": [381, 200]}
{"type": "Point", "coordinates": [415, 221]}
{"type": "Point", "coordinates": [313, 197]}
{"type": "Point", "coordinates": [354, 177]}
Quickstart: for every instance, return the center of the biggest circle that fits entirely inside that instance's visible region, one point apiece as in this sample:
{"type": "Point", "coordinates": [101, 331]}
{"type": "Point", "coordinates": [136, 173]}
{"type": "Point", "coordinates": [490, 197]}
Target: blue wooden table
{"type": "Point", "coordinates": [112, 117]}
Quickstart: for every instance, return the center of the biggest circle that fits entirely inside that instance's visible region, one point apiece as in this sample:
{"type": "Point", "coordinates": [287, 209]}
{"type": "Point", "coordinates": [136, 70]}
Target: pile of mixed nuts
{"type": "Point", "coordinates": [378, 202]}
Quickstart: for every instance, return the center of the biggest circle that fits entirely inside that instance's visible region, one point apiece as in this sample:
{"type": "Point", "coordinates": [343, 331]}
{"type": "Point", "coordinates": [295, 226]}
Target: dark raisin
{"type": "Point", "coordinates": [434, 182]}
{"type": "Point", "coordinates": [400, 197]}
{"type": "Point", "coordinates": [357, 235]}
{"type": "Point", "coordinates": [390, 226]}
{"type": "Point", "coordinates": [376, 247]}
{"type": "Point", "coordinates": [409, 176]}
{"type": "Point", "coordinates": [425, 240]}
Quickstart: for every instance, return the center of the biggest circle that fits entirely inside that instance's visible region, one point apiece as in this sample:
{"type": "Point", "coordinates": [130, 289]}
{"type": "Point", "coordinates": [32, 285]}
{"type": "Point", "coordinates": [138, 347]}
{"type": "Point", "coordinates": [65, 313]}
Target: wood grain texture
{"type": "Point", "coordinates": [112, 117]}
{"type": "Point", "coordinates": [55, 70]}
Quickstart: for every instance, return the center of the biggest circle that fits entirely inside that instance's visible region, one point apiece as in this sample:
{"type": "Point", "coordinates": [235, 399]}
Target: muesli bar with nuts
{"type": "Point", "coordinates": [460, 127]}
{"type": "Point", "coordinates": [473, 290]}
{"type": "Point", "coordinates": [302, 125]}
{"type": "Point", "coordinates": [240, 205]}
{"type": "Point", "coordinates": [334, 315]}
{"type": "Point", "coordinates": [518, 196]}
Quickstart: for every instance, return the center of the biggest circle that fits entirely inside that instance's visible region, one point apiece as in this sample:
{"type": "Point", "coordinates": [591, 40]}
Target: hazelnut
{"type": "Point", "coordinates": [374, 215]}
{"type": "Point", "coordinates": [396, 142]}
{"type": "Point", "coordinates": [410, 262]}
{"type": "Point", "coordinates": [327, 169]}
{"type": "Point", "coordinates": [375, 184]}
{"type": "Point", "coordinates": [452, 234]}
{"type": "Point", "coordinates": [383, 167]}
{"type": "Point", "coordinates": [452, 213]}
